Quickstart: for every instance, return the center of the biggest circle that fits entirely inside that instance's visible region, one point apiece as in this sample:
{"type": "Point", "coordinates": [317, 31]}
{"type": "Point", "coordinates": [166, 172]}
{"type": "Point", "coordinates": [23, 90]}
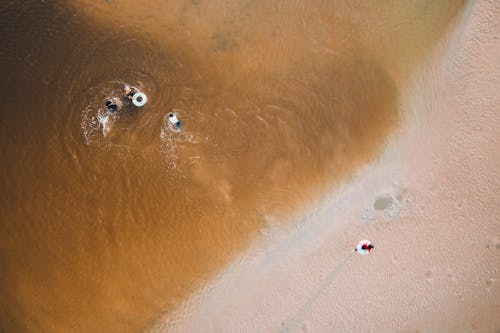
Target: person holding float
{"type": "Point", "coordinates": [138, 98]}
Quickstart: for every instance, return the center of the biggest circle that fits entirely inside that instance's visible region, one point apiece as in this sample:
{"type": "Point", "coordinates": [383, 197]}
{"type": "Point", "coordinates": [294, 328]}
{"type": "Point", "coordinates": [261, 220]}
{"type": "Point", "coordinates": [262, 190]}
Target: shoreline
{"type": "Point", "coordinates": [428, 203]}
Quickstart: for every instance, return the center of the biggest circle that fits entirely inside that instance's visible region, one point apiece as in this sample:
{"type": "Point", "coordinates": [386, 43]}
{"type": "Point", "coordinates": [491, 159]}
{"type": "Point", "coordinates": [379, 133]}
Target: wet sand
{"type": "Point", "coordinates": [429, 203]}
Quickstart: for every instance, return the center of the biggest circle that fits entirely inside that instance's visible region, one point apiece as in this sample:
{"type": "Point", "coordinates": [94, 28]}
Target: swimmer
{"type": "Point", "coordinates": [113, 105]}
{"type": "Point", "coordinates": [138, 98]}
{"type": "Point", "coordinates": [172, 119]}
{"type": "Point", "coordinates": [129, 91]}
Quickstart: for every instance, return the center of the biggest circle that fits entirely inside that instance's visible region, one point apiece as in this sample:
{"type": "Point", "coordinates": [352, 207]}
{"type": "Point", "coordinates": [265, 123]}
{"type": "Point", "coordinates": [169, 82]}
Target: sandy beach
{"type": "Point", "coordinates": [429, 203]}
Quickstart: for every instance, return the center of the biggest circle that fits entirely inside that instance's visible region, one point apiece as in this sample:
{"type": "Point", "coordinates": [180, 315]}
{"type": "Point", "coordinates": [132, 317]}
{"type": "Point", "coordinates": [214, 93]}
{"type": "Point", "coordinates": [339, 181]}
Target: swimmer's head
{"type": "Point", "coordinates": [170, 114]}
{"type": "Point", "coordinates": [108, 102]}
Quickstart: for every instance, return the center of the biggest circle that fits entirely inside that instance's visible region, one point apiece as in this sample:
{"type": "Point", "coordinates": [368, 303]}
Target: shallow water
{"type": "Point", "coordinates": [101, 231]}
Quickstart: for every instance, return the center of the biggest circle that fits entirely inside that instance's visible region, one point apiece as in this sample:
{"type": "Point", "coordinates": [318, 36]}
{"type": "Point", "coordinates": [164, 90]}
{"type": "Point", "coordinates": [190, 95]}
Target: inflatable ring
{"type": "Point", "coordinates": [139, 99]}
{"type": "Point", "coordinates": [360, 249]}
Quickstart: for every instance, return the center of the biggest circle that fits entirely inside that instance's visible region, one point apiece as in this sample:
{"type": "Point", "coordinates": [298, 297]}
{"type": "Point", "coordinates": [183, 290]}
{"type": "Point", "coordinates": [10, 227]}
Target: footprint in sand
{"type": "Point", "coordinates": [489, 283]}
{"type": "Point", "coordinates": [428, 276]}
{"type": "Point", "coordinates": [495, 244]}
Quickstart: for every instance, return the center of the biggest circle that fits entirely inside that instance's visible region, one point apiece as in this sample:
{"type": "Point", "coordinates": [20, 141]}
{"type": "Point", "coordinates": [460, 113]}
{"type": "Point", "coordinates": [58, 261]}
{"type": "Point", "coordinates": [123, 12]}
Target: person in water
{"type": "Point", "coordinates": [112, 105]}
{"type": "Point", "coordinates": [172, 118]}
{"type": "Point", "coordinates": [129, 91]}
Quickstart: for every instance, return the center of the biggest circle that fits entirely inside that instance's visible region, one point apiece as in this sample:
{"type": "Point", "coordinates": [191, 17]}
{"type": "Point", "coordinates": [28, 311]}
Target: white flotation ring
{"type": "Point", "coordinates": [139, 99]}
{"type": "Point", "coordinates": [360, 249]}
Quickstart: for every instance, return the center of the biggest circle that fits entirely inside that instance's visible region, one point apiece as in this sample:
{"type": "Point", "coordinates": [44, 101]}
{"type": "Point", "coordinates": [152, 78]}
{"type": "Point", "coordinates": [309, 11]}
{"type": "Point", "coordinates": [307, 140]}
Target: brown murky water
{"type": "Point", "coordinates": [279, 100]}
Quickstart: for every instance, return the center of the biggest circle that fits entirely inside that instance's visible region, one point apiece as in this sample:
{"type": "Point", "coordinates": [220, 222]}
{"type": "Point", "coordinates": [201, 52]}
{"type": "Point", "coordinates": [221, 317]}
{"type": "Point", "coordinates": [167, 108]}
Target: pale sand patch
{"type": "Point", "coordinates": [430, 204]}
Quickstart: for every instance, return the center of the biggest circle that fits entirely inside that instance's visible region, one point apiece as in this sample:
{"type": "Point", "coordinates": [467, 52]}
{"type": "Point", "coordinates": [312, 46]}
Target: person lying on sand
{"type": "Point", "coordinates": [364, 247]}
